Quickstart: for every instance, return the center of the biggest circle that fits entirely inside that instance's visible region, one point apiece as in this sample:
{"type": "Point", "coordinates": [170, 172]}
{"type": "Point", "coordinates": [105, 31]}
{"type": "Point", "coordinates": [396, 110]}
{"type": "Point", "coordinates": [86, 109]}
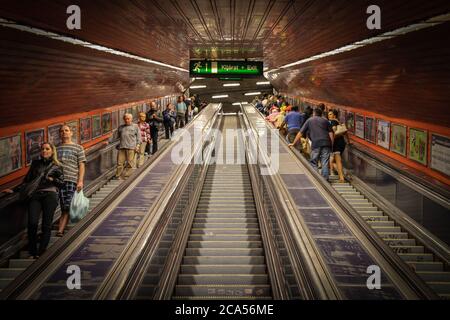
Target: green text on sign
{"type": "Point", "coordinates": [223, 68]}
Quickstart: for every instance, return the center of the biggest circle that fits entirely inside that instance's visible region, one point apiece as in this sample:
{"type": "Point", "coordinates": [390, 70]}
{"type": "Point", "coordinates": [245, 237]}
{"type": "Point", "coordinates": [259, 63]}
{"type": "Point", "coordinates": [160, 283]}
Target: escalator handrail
{"type": "Point", "coordinates": [123, 269]}
{"type": "Point", "coordinates": [313, 273]}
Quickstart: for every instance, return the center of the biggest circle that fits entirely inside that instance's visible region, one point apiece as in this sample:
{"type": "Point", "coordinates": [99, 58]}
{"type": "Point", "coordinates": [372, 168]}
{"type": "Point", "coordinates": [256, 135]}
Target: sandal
{"type": "Point", "coordinates": [60, 234]}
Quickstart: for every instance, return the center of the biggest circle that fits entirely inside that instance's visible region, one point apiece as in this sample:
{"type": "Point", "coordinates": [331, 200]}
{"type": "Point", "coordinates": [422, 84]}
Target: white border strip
{"type": "Point", "coordinates": [51, 35]}
{"type": "Point", "coordinates": [382, 37]}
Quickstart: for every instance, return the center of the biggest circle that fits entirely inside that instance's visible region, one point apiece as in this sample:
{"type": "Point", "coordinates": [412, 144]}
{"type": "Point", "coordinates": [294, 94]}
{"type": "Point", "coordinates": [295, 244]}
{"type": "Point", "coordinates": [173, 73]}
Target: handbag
{"type": "Point", "coordinates": [29, 188]}
{"type": "Point", "coordinates": [341, 129]}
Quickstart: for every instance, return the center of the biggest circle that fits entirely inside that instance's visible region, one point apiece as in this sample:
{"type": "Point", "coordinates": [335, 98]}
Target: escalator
{"type": "Point", "coordinates": [426, 265]}
{"type": "Point", "coordinates": [224, 258]}
{"type": "Point", "coordinates": [222, 255]}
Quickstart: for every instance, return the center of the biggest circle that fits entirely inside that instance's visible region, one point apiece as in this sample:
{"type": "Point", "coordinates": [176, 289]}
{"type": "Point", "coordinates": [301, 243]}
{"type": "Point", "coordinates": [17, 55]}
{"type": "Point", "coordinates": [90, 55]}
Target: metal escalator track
{"type": "Point", "coordinates": [224, 257]}
{"type": "Point", "coordinates": [426, 265]}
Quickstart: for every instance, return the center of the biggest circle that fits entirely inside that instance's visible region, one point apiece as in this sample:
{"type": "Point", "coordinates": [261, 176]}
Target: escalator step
{"type": "Point", "coordinates": [224, 225]}
{"type": "Point", "coordinates": [236, 279]}
{"type": "Point", "coordinates": [224, 252]}
{"type": "Point", "coordinates": [426, 266]}
{"type": "Point", "coordinates": [435, 276]}
{"type": "Point", "coordinates": [212, 231]}
{"type": "Point", "coordinates": [223, 269]}
{"type": "Point", "coordinates": [225, 244]}
{"type": "Point", "coordinates": [225, 220]}
{"type": "Point", "coordinates": [224, 260]}
{"type": "Point", "coordinates": [224, 237]}
{"type": "Point", "coordinates": [20, 263]}
{"type": "Point", "coordinates": [223, 291]}
{"type": "Point", "coordinates": [418, 257]}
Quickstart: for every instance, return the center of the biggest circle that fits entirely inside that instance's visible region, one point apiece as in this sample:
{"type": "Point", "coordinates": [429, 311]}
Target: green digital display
{"type": "Point", "coordinates": [206, 68]}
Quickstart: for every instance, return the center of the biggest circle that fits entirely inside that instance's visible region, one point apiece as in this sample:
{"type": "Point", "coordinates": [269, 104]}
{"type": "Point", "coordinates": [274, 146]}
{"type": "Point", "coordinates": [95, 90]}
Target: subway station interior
{"type": "Point", "coordinates": [226, 207]}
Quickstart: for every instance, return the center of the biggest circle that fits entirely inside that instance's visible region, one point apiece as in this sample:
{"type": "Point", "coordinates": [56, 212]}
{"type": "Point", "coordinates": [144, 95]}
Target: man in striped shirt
{"type": "Point", "coordinates": [73, 161]}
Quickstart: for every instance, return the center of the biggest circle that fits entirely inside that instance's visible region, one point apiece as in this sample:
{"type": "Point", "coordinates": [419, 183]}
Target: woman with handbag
{"type": "Point", "coordinates": [339, 144]}
{"type": "Point", "coordinates": [40, 191]}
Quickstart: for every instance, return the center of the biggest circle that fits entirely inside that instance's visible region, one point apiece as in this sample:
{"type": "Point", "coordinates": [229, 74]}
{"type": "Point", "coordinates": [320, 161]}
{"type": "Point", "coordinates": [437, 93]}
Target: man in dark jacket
{"type": "Point", "coordinates": [154, 118]}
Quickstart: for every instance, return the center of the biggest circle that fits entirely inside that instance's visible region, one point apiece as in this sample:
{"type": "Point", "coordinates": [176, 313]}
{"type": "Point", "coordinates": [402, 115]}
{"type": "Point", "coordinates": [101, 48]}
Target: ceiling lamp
{"type": "Point", "coordinates": [253, 94]}
{"type": "Point", "coordinates": [198, 87]}
{"type": "Point", "coordinates": [231, 84]}
{"type": "Point", "coordinates": [221, 96]}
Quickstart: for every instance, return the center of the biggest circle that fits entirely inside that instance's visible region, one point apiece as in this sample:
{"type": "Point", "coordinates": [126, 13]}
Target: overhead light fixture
{"type": "Point", "coordinates": [252, 94]}
{"type": "Point", "coordinates": [236, 104]}
{"type": "Point", "coordinates": [244, 102]}
{"type": "Point", "coordinates": [198, 87]}
{"type": "Point", "coordinates": [221, 96]}
{"type": "Point", "coordinates": [231, 84]}
{"type": "Point", "coordinates": [263, 83]}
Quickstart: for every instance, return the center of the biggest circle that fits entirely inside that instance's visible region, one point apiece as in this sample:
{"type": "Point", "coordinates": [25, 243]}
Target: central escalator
{"type": "Point", "coordinates": [224, 257]}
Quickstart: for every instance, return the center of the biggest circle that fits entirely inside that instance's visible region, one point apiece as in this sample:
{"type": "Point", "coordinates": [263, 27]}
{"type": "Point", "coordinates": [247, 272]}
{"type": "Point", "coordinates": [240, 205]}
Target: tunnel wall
{"type": "Point", "coordinates": [422, 170]}
{"type": "Point", "coordinates": [46, 82]}
{"type": "Point", "coordinates": [404, 78]}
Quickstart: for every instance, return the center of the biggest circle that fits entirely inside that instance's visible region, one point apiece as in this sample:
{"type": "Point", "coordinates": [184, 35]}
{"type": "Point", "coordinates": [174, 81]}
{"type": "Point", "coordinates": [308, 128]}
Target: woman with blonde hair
{"type": "Point", "coordinates": [40, 190]}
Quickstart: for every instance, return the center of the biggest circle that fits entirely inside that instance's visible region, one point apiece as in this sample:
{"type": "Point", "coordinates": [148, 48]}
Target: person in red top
{"type": "Point", "coordinates": [144, 127]}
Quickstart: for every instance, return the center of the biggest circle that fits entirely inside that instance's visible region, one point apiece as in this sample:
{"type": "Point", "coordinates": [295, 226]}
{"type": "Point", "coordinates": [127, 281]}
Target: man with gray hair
{"type": "Point", "coordinates": [130, 141]}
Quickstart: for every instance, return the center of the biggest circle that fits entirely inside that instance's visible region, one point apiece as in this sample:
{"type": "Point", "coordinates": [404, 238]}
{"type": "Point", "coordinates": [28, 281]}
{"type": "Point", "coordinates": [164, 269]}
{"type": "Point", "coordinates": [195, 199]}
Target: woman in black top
{"type": "Point", "coordinates": [44, 198]}
{"type": "Point", "coordinates": [338, 147]}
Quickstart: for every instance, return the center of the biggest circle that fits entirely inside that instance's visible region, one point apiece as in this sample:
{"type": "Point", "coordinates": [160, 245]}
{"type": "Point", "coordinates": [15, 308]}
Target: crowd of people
{"type": "Point", "coordinates": [315, 132]}
{"type": "Point", "coordinates": [58, 174]}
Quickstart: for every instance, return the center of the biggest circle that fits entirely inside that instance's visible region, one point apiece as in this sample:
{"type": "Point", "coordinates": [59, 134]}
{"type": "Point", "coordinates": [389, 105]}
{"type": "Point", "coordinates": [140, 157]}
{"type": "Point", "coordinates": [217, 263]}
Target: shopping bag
{"type": "Point", "coordinates": [79, 207]}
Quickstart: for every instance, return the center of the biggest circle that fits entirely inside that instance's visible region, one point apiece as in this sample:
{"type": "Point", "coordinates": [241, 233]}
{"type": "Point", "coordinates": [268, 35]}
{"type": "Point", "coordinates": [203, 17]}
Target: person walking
{"type": "Point", "coordinates": [73, 161]}
{"type": "Point", "coordinates": [144, 128]}
{"type": "Point", "coordinates": [154, 118]}
{"type": "Point", "coordinates": [130, 141]}
{"type": "Point", "coordinates": [181, 110]}
{"type": "Point", "coordinates": [320, 132]}
{"type": "Point", "coordinates": [169, 119]}
{"type": "Point", "coordinates": [48, 174]}
{"type": "Point", "coordinates": [338, 146]}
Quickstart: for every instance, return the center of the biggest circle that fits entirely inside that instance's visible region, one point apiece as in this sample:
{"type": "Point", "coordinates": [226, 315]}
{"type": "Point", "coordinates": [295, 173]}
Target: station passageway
{"type": "Point", "coordinates": [226, 150]}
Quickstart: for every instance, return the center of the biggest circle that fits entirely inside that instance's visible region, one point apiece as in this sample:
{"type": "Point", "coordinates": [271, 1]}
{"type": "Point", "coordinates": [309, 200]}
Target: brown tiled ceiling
{"type": "Point", "coordinates": [279, 32]}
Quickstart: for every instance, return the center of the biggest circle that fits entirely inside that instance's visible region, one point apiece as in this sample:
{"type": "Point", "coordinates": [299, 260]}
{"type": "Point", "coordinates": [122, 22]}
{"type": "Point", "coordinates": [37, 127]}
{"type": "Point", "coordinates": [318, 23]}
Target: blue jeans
{"type": "Point", "coordinates": [322, 153]}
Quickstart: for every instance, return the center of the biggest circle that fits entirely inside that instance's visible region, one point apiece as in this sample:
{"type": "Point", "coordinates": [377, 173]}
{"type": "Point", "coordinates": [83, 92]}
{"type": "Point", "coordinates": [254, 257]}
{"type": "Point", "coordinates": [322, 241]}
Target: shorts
{"type": "Point", "coordinates": [66, 194]}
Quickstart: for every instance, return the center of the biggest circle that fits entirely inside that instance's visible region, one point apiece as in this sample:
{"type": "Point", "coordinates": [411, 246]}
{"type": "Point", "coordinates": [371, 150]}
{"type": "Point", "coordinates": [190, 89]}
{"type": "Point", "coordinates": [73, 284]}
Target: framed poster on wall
{"type": "Point", "coordinates": [54, 134]}
{"type": "Point", "coordinates": [85, 130]}
{"type": "Point", "coordinates": [115, 119]}
{"type": "Point", "coordinates": [418, 145]}
{"type": "Point", "coordinates": [106, 123]}
{"type": "Point", "coordinates": [370, 132]}
{"type": "Point", "coordinates": [96, 126]}
{"type": "Point", "coordinates": [359, 126]}
{"type": "Point", "coordinates": [398, 139]}
{"type": "Point", "coordinates": [383, 133]}
{"type": "Point", "coordinates": [440, 154]}
{"type": "Point", "coordinates": [73, 125]}
{"type": "Point", "coordinates": [10, 154]}
{"type": "Point", "coordinates": [350, 121]}
{"type": "Point", "coordinates": [33, 142]}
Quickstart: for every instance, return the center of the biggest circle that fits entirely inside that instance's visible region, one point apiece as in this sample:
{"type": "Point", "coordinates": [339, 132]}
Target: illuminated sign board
{"type": "Point", "coordinates": [206, 68]}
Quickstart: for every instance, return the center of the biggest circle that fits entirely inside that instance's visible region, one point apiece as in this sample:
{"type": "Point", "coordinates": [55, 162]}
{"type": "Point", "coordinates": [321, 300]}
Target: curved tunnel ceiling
{"type": "Point", "coordinates": [172, 32]}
